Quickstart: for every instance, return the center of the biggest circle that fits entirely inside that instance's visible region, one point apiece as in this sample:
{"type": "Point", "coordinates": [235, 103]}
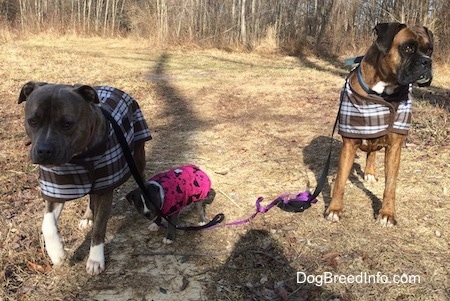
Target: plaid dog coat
{"type": "Point", "coordinates": [182, 186]}
{"type": "Point", "coordinates": [374, 116]}
{"type": "Point", "coordinates": [104, 167]}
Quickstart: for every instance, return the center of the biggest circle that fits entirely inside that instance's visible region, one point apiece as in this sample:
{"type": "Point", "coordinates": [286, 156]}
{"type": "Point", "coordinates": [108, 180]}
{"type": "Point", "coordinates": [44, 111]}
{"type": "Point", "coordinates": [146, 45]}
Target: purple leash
{"type": "Point", "coordinates": [287, 202]}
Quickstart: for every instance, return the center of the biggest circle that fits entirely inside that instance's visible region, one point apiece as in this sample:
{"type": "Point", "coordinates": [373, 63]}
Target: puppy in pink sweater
{"type": "Point", "coordinates": [171, 191]}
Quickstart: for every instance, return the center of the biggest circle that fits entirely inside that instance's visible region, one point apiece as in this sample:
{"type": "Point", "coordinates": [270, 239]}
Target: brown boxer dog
{"type": "Point", "coordinates": [78, 154]}
{"type": "Point", "coordinates": [375, 109]}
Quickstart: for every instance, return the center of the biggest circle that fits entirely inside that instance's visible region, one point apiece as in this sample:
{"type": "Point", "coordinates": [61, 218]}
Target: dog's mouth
{"type": "Point", "coordinates": [424, 78]}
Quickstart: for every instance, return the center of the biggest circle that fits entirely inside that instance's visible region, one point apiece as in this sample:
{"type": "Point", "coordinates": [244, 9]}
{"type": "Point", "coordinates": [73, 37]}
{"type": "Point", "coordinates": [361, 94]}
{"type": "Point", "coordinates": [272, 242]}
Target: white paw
{"type": "Point", "coordinates": [85, 224]}
{"type": "Point", "coordinates": [370, 178]}
{"type": "Point", "coordinates": [333, 217]}
{"type": "Point", "coordinates": [53, 242]}
{"type": "Point", "coordinates": [57, 255]}
{"type": "Point", "coordinates": [386, 222]}
{"type": "Point", "coordinates": [167, 241]}
{"type": "Point", "coordinates": [153, 227]}
{"type": "Point", "coordinates": [96, 261]}
{"type": "Point", "coordinates": [202, 223]}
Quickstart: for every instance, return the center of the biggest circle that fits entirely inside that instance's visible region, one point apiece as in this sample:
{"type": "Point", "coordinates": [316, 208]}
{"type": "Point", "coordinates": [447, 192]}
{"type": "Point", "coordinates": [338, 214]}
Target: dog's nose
{"type": "Point", "coordinates": [45, 151]}
{"type": "Point", "coordinates": [426, 62]}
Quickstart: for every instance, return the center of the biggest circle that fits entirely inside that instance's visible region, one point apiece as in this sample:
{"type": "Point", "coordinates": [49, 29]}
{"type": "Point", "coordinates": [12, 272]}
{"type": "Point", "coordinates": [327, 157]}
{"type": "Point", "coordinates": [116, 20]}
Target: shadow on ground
{"type": "Point", "coordinates": [169, 147]}
{"type": "Point", "coordinates": [258, 270]}
{"type": "Point", "coordinates": [315, 155]}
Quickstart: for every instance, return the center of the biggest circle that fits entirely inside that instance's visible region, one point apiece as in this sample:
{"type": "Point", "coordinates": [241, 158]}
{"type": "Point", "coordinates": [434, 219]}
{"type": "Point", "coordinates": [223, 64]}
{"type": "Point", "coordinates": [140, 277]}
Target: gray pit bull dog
{"type": "Point", "coordinates": [171, 191]}
{"type": "Point", "coordinates": [78, 154]}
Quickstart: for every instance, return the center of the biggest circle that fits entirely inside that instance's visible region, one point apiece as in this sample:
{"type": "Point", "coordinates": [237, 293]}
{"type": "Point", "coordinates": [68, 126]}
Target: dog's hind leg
{"type": "Point", "coordinates": [369, 170]}
{"type": "Point", "coordinates": [52, 238]}
{"type": "Point", "coordinates": [370, 147]}
{"type": "Point", "coordinates": [101, 206]}
{"type": "Point", "coordinates": [88, 218]}
{"type": "Point", "coordinates": [201, 207]}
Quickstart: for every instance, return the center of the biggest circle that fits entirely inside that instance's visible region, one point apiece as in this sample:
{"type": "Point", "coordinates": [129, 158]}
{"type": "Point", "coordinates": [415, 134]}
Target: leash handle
{"type": "Point", "coordinates": [137, 176]}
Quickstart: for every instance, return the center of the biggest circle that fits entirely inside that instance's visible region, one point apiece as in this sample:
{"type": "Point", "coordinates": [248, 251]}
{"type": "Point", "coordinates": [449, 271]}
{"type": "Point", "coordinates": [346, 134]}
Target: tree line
{"type": "Point", "coordinates": [323, 26]}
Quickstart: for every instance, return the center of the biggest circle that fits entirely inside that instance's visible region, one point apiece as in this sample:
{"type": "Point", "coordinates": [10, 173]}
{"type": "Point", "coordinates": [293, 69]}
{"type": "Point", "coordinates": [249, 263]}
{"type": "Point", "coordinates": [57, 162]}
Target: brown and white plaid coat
{"type": "Point", "coordinates": [374, 116]}
{"type": "Point", "coordinates": [104, 167]}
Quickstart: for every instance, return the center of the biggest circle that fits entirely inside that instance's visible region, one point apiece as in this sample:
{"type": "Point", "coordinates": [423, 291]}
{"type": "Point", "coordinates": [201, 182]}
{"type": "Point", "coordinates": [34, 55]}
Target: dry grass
{"type": "Point", "coordinates": [260, 126]}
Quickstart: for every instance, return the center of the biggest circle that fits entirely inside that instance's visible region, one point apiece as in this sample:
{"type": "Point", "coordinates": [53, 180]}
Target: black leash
{"type": "Point", "coordinates": [137, 177]}
{"type": "Point", "coordinates": [300, 206]}
{"type": "Point", "coordinates": [297, 204]}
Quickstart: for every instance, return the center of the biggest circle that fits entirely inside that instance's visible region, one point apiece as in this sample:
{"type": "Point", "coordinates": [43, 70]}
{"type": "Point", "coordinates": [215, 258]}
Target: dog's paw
{"type": "Point", "coordinates": [386, 221]}
{"type": "Point", "coordinates": [96, 261]}
{"type": "Point", "coordinates": [333, 216]}
{"type": "Point", "coordinates": [167, 241]}
{"type": "Point", "coordinates": [55, 250]}
{"type": "Point", "coordinates": [202, 223]}
{"type": "Point", "coordinates": [369, 178]}
{"type": "Point", "coordinates": [85, 224]}
{"type": "Point", "coordinates": [153, 227]}
{"type": "Point", "coordinates": [94, 267]}
{"type": "Point", "coordinates": [57, 256]}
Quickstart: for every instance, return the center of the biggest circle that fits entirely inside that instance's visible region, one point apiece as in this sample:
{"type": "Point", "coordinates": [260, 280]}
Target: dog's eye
{"type": "Point", "coordinates": [67, 124]}
{"type": "Point", "coordinates": [409, 49]}
{"type": "Point", "coordinates": [32, 122]}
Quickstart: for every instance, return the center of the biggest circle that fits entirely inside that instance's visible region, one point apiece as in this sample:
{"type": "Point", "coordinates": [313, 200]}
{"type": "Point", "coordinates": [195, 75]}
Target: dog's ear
{"type": "Point", "coordinates": [386, 33]}
{"type": "Point", "coordinates": [27, 89]}
{"type": "Point", "coordinates": [88, 93]}
{"type": "Point", "coordinates": [430, 35]}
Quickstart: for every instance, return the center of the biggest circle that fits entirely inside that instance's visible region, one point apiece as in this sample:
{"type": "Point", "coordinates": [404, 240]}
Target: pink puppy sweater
{"type": "Point", "coordinates": [182, 186]}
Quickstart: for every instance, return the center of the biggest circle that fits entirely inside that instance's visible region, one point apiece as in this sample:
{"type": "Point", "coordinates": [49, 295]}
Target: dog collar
{"type": "Point", "coordinates": [363, 84]}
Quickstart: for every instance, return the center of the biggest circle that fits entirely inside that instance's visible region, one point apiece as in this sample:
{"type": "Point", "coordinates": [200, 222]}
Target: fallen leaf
{"type": "Point", "coordinates": [330, 258]}
{"type": "Point", "coordinates": [36, 267]}
{"type": "Point", "coordinates": [185, 284]}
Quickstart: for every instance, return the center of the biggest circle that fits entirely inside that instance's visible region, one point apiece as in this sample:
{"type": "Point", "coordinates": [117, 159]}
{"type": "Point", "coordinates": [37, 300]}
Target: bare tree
{"type": "Point", "coordinates": [331, 26]}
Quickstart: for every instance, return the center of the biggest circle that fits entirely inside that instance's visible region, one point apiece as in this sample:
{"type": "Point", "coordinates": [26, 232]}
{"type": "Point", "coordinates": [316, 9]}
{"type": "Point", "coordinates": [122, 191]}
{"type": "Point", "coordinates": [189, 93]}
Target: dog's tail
{"type": "Point", "coordinates": [210, 197]}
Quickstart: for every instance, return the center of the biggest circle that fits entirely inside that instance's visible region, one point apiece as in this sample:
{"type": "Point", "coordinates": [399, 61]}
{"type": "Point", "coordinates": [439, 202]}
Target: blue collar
{"type": "Point", "coordinates": [363, 84]}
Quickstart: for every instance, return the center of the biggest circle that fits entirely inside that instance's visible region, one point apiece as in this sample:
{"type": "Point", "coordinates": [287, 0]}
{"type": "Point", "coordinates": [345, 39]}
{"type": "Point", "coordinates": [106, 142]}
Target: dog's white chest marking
{"type": "Point", "coordinates": [381, 87]}
{"type": "Point", "coordinates": [96, 262]}
{"type": "Point", "coordinates": [146, 210]}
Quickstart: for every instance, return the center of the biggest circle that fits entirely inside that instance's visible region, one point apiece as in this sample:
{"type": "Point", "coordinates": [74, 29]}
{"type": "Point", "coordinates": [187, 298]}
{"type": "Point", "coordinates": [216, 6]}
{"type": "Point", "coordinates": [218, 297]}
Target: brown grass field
{"type": "Point", "coordinates": [260, 125]}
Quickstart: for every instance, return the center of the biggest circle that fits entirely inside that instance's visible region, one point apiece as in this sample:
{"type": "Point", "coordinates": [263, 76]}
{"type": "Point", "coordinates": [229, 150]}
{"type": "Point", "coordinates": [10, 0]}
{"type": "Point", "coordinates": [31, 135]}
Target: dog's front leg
{"type": "Point", "coordinates": [347, 157]}
{"type": "Point", "coordinates": [200, 205]}
{"type": "Point", "coordinates": [101, 204]}
{"type": "Point", "coordinates": [391, 167]}
{"type": "Point", "coordinates": [171, 229]}
{"type": "Point", "coordinates": [52, 238]}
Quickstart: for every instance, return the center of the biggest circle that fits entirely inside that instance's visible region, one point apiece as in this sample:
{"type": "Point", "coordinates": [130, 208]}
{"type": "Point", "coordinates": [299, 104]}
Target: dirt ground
{"type": "Point", "coordinates": [260, 125]}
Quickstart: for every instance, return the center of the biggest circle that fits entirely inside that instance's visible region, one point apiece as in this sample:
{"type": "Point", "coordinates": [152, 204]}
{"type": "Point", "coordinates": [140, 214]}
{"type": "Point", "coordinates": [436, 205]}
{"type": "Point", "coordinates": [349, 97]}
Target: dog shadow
{"type": "Point", "coordinates": [257, 269]}
{"type": "Point", "coordinates": [435, 96]}
{"type": "Point", "coordinates": [315, 155]}
{"type": "Point", "coordinates": [356, 179]}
